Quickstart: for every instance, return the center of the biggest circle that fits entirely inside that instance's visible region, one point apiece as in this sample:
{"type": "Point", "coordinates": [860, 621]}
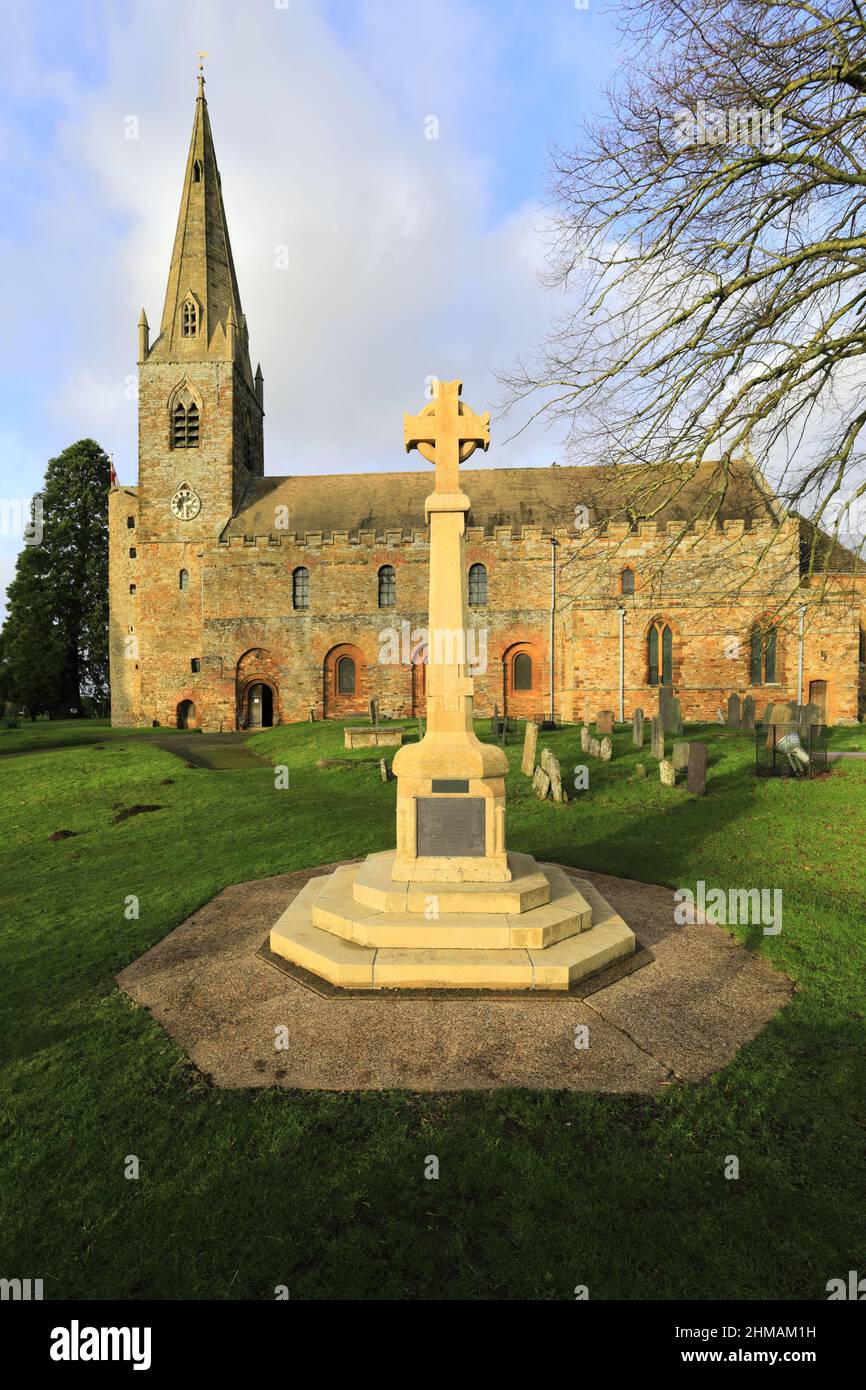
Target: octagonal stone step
{"type": "Point", "coordinates": [375, 888]}
{"type": "Point", "coordinates": [336, 910]}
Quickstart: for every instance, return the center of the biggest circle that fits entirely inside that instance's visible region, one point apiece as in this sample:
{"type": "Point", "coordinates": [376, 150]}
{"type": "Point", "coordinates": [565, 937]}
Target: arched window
{"type": "Point", "coordinates": [184, 425]}
{"type": "Point", "coordinates": [301, 588]}
{"type": "Point", "coordinates": [189, 318]}
{"type": "Point", "coordinates": [130, 523]}
{"type": "Point", "coordinates": [521, 672]}
{"type": "Point", "coordinates": [660, 635]}
{"type": "Point", "coordinates": [183, 581]}
{"type": "Point", "coordinates": [626, 581]}
{"type": "Point", "coordinates": [132, 588]}
{"type": "Point", "coordinates": [345, 676]}
{"type": "Point", "coordinates": [387, 587]}
{"type": "Point", "coordinates": [196, 171]}
{"type": "Point", "coordinates": [763, 655]}
{"type": "Point", "coordinates": [477, 586]}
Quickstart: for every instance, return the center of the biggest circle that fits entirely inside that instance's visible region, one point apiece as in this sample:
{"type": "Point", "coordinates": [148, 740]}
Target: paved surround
{"type": "Point", "coordinates": [678, 1019]}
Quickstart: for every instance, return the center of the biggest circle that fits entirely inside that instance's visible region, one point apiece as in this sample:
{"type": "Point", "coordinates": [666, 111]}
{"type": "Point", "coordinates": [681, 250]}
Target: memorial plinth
{"type": "Point", "coordinates": [450, 907]}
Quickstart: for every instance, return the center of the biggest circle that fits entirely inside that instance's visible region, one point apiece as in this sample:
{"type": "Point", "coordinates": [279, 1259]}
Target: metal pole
{"type": "Point", "coordinates": [553, 544]}
{"type": "Point", "coordinates": [621, 665]}
{"type": "Point", "coordinates": [800, 658]}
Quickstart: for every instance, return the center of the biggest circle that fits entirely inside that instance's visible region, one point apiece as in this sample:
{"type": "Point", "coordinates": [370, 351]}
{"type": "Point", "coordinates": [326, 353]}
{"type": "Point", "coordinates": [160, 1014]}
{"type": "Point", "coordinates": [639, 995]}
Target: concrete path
{"type": "Point", "coordinates": [680, 1018]}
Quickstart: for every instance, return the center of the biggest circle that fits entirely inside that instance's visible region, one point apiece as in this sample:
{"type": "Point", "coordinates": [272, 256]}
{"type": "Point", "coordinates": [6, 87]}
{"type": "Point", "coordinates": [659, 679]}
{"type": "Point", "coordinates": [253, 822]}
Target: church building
{"type": "Point", "coordinates": [240, 599]}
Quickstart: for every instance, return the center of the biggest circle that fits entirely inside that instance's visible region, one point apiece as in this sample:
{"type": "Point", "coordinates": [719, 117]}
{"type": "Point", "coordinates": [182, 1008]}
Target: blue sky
{"type": "Point", "coordinates": [407, 256]}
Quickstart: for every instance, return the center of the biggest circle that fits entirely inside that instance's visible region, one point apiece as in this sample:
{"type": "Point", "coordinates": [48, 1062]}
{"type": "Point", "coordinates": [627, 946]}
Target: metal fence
{"type": "Point", "coordinates": [791, 750]}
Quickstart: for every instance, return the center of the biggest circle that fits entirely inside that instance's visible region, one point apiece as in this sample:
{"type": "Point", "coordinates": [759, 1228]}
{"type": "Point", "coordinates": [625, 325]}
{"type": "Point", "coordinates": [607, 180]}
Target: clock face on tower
{"type": "Point", "coordinates": [185, 504]}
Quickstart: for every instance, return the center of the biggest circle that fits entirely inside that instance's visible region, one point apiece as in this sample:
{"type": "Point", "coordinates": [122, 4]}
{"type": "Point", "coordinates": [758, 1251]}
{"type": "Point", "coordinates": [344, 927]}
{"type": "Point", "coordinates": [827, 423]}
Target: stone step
{"type": "Point", "coordinates": [336, 910]}
{"type": "Point", "coordinates": [375, 888]}
{"type": "Point", "coordinates": [354, 966]}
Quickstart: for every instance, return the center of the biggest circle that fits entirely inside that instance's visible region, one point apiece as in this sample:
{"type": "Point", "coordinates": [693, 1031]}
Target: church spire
{"type": "Point", "coordinates": [202, 298]}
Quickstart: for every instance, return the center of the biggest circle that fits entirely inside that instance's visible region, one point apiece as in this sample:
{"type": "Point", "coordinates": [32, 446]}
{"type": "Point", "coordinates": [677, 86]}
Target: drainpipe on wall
{"type": "Point", "coordinates": [553, 544]}
{"type": "Point", "coordinates": [800, 657]}
{"type": "Point", "coordinates": [621, 714]}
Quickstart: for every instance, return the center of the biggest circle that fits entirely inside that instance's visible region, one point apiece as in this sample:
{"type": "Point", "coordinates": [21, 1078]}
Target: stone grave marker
{"type": "Point", "coordinates": [697, 776]}
{"type": "Point", "coordinates": [733, 711]}
{"type": "Point", "coordinates": [374, 711]}
{"type": "Point", "coordinates": [605, 750]}
{"type": "Point", "coordinates": [540, 783]}
{"type": "Point", "coordinates": [554, 772]}
{"type": "Point", "coordinates": [604, 721]}
{"type": "Point", "coordinates": [584, 737]}
{"type": "Point", "coordinates": [530, 742]}
{"type": "Point", "coordinates": [657, 738]}
{"type": "Point", "coordinates": [667, 774]}
{"type": "Point", "coordinates": [680, 758]}
{"type": "Point", "coordinates": [637, 728]}
{"type": "Point", "coordinates": [747, 718]}
{"type": "Point", "coordinates": [720, 716]}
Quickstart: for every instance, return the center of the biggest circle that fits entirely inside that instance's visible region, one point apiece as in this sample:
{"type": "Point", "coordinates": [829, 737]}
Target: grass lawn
{"type": "Point", "coordinates": [539, 1191]}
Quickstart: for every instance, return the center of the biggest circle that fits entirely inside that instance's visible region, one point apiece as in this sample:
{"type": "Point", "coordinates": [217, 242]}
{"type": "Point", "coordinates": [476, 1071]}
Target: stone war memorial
{"type": "Point", "coordinates": [450, 907]}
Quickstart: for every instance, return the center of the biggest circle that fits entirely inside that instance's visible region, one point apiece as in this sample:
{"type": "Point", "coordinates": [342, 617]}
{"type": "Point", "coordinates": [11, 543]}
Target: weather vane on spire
{"type": "Point", "coordinates": [201, 55]}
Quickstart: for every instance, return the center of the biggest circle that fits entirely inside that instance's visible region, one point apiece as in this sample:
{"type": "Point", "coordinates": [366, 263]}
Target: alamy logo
{"type": "Point", "coordinates": [410, 646]}
{"type": "Point", "coordinates": [77, 1343]}
{"type": "Point", "coordinates": [756, 907]}
{"type": "Point", "coordinates": [854, 1288]}
{"type": "Point", "coordinates": [22, 1290]}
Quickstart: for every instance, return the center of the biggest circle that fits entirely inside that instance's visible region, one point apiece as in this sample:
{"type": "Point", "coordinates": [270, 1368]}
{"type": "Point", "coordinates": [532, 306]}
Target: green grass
{"type": "Point", "coordinates": [65, 733]}
{"type": "Point", "coordinates": [539, 1191]}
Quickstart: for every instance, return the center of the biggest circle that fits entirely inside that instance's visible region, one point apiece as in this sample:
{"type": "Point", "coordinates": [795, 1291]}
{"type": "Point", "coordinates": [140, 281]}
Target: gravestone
{"type": "Point", "coordinates": [667, 774]}
{"type": "Point", "coordinates": [733, 711]}
{"type": "Point", "coordinates": [637, 728]}
{"type": "Point", "coordinates": [640, 770]}
{"type": "Point", "coordinates": [555, 774]}
{"type": "Point", "coordinates": [544, 760]}
{"type": "Point", "coordinates": [420, 728]}
{"type": "Point", "coordinates": [374, 711]}
{"type": "Point", "coordinates": [720, 716]}
{"type": "Point", "coordinates": [595, 747]}
{"type": "Point", "coordinates": [657, 738]}
{"type": "Point", "coordinates": [697, 776]}
{"type": "Point", "coordinates": [383, 770]}
{"type": "Point", "coordinates": [675, 717]}
{"type": "Point", "coordinates": [530, 741]}
{"type": "Point", "coordinates": [680, 758]}
{"type": "Point", "coordinates": [584, 737]}
{"type": "Point", "coordinates": [494, 723]}
{"type": "Point", "coordinates": [605, 750]}
{"type": "Point", "coordinates": [666, 695]}
{"type": "Point", "coordinates": [809, 714]}
{"type": "Point", "coordinates": [604, 721]}
{"type": "Point", "coordinates": [768, 716]}
{"type": "Point", "coordinates": [747, 718]}
{"type": "Point", "coordinates": [540, 783]}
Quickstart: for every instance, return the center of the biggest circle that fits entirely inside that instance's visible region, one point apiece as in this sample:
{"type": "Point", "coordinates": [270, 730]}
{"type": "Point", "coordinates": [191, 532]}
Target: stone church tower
{"type": "Point", "coordinates": [200, 441]}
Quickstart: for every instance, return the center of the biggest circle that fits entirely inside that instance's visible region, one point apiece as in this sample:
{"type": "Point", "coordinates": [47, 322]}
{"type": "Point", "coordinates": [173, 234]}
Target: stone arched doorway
{"type": "Point", "coordinates": [258, 705]}
{"type": "Point", "coordinates": [186, 715]}
{"type": "Point", "coordinates": [257, 690]}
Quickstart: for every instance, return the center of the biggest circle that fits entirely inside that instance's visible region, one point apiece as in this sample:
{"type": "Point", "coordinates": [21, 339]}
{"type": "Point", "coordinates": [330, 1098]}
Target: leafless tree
{"type": "Point", "coordinates": [709, 233]}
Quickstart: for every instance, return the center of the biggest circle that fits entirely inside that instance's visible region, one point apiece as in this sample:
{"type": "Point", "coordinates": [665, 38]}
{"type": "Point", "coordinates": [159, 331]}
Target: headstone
{"type": "Point", "coordinates": [545, 758]}
{"type": "Point", "coordinates": [312, 715]}
{"type": "Point", "coordinates": [595, 747]}
{"type": "Point", "coordinates": [605, 750]}
{"type": "Point", "coordinates": [374, 712]}
{"type": "Point", "coordinates": [680, 757]}
{"type": "Point", "coordinates": [809, 714]}
{"type": "Point", "coordinates": [604, 721]}
{"type": "Point", "coordinates": [637, 728]}
{"type": "Point", "coordinates": [383, 770]}
{"type": "Point", "coordinates": [540, 783]}
{"type": "Point", "coordinates": [667, 774]}
{"type": "Point", "coordinates": [420, 728]}
{"type": "Point", "coordinates": [657, 738]}
{"type": "Point", "coordinates": [554, 772]}
{"type": "Point", "coordinates": [640, 770]}
{"type": "Point", "coordinates": [675, 718]}
{"type": "Point", "coordinates": [720, 716]}
{"type": "Point", "coordinates": [494, 723]}
{"type": "Point", "coordinates": [768, 716]}
{"type": "Point", "coordinates": [733, 711]}
{"type": "Point", "coordinates": [747, 718]}
{"type": "Point", "coordinates": [530, 740]}
{"type": "Point", "coordinates": [697, 777]}
{"type": "Point", "coordinates": [584, 737]}
{"type": "Point", "coordinates": [666, 695]}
